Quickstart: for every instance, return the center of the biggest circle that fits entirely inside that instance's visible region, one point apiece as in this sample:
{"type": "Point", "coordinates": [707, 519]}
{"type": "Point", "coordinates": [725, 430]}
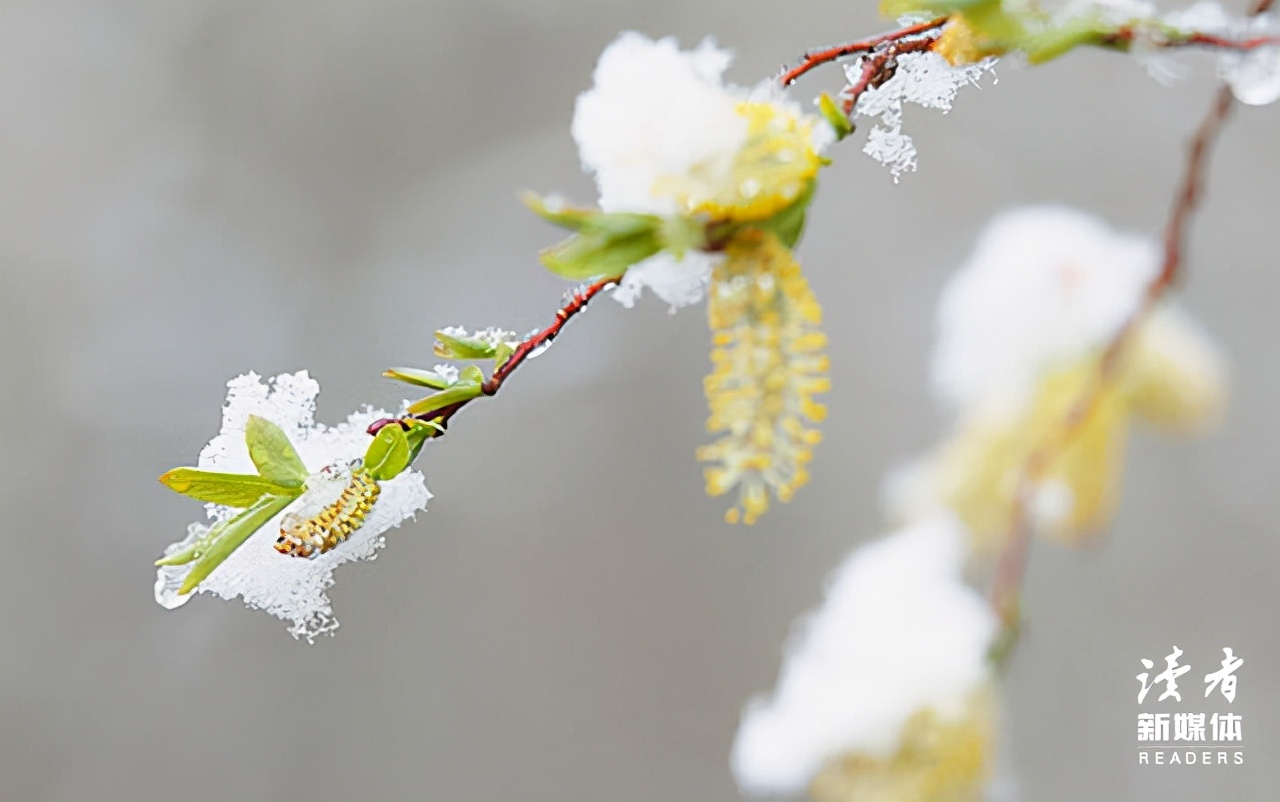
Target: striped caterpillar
{"type": "Point", "coordinates": [322, 532]}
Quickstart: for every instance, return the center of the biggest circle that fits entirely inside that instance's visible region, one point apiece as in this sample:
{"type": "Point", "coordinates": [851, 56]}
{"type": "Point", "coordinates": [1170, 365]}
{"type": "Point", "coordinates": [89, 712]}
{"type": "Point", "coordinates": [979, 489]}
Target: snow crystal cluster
{"type": "Point", "coordinates": [655, 112]}
{"type": "Point", "coordinates": [287, 587]}
{"type": "Point", "coordinates": [655, 119]}
{"type": "Point", "coordinates": [899, 633]}
{"type": "Point", "coordinates": [1043, 285]}
{"type": "Point", "coordinates": [492, 336]}
{"type": "Point", "coordinates": [925, 79]}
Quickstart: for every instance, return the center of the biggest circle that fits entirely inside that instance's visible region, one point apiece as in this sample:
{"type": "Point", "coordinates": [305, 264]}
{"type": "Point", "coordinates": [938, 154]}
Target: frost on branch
{"type": "Point", "coordinates": [1021, 329]}
{"type": "Point", "coordinates": [884, 690]}
{"type": "Point", "coordinates": [291, 588]}
{"type": "Point", "coordinates": [925, 79]}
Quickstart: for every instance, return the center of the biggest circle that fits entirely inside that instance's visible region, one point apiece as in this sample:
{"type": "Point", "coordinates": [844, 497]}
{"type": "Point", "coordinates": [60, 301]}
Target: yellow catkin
{"type": "Point", "coordinates": [767, 365]}
{"type": "Point", "coordinates": [322, 532]}
{"type": "Point", "coordinates": [775, 167]}
{"type": "Point", "coordinates": [978, 470]}
{"type": "Point", "coordinates": [937, 760]}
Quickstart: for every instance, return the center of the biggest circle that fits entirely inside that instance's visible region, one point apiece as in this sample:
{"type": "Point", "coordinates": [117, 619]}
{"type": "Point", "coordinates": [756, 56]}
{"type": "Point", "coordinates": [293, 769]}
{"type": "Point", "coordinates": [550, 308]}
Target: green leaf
{"type": "Point", "coordinates": [388, 454]}
{"type": "Point", "coordinates": [449, 347]}
{"type": "Point", "coordinates": [618, 224]}
{"type": "Point", "coordinates": [419, 433]}
{"type": "Point", "coordinates": [1048, 44]}
{"type": "Point", "coordinates": [471, 374]}
{"type": "Point", "coordinates": [896, 8]}
{"type": "Point", "coordinates": [607, 243]}
{"type": "Point", "coordinates": [460, 391]}
{"type": "Point", "coordinates": [231, 537]}
{"type": "Point", "coordinates": [273, 454]}
{"type": "Point", "coordinates": [591, 254]}
{"type": "Point", "coordinates": [501, 354]}
{"type": "Point", "coordinates": [788, 224]}
{"type": "Point", "coordinates": [231, 489]}
{"type": "Point", "coordinates": [989, 19]}
{"type": "Point", "coordinates": [422, 378]}
{"type": "Point", "coordinates": [194, 551]}
{"type": "Point", "coordinates": [557, 213]}
{"type": "Point", "coordinates": [679, 234]}
{"type": "Point", "coordinates": [833, 114]}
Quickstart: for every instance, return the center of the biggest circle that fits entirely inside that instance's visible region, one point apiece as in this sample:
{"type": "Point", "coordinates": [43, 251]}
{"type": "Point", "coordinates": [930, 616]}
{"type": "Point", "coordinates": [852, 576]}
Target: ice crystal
{"type": "Point", "coordinates": [1045, 284]}
{"type": "Point", "coordinates": [492, 335]}
{"type": "Point", "coordinates": [924, 79]}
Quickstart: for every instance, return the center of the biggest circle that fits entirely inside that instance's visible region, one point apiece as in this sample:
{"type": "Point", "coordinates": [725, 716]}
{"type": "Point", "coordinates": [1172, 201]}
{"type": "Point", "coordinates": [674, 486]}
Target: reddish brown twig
{"type": "Point", "coordinates": [880, 52]}
{"type": "Point", "coordinates": [1126, 36]}
{"type": "Point", "coordinates": [541, 339]}
{"type": "Point", "coordinates": [816, 58]}
{"type": "Point", "coordinates": [1011, 564]}
{"type": "Point", "coordinates": [880, 67]}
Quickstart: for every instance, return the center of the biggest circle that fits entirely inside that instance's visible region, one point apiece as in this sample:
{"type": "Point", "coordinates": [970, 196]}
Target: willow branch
{"type": "Point", "coordinates": [880, 52]}
{"type": "Point", "coordinates": [1012, 562]}
{"type": "Point", "coordinates": [528, 347]}
{"type": "Point", "coordinates": [816, 58]}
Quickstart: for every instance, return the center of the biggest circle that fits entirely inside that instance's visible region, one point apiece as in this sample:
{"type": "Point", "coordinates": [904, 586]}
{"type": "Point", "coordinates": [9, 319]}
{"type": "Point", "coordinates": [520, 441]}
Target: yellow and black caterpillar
{"type": "Point", "coordinates": [322, 532]}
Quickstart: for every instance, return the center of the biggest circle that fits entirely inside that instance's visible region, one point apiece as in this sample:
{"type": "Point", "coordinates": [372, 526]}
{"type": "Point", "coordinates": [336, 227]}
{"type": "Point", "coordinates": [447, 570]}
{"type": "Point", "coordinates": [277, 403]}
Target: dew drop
{"type": "Point", "coordinates": [169, 579]}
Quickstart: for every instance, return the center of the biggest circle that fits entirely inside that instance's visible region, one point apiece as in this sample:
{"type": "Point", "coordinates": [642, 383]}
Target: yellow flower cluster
{"type": "Point", "coordinates": [774, 168]}
{"type": "Point", "coordinates": [767, 365]}
{"type": "Point", "coordinates": [1167, 376]}
{"type": "Point", "coordinates": [938, 759]}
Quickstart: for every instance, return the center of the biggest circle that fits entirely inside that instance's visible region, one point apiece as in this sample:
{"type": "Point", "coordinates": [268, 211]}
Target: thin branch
{"type": "Point", "coordinates": [1128, 35]}
{"type": "Point", "coordinates": [1012, 562]}
{"type": "Point", "coordinates": [879, 68]}
{"type": "Point", "coordinates": [816, 58]}
{"type": "Point", "coordinates": [881, 52]}
{"type": "Point", "coordinates": [541, 339]}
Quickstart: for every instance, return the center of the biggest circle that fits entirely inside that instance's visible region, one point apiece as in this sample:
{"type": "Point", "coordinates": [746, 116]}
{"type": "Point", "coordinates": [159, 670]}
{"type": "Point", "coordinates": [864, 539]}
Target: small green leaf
{"type": "Point", "coordinates": [1048, 44]}
{"type": "Point", "coordinates": [273, 454]}
{"type": "Point", "coordinates": [196, 549]}
{"type": "Point", "coordinates": [471, 374]}
{"type": "Point", "coordinates": [833, 114]}
{"type": "Point", "coordinates": [448, 347]}
{"type": "Point", "coordinates": [897, 8]}
{"type": "Point", "coordinates": [388, 454]}
{"type": "Point", "coordinates": [788, 224]}
{"type": "Point", "coordinates": [422, 378]}
{"type": "Point", "coordinates": [679, 234]}
{"type": "Point", "coordinates": [231, 537]}
{"type": "Point", "coordinates": [618, 224]}
{"type": "Point", "coordinates": [459, 391]}
{"type": "Point", "coordinates": [557, 213]}
{"type": "Point", "coordinates": [591, 254]}
{"type": "Point", "coordinates": [231, 489]}
{"type": "Point", "coordinates": [501, 354]}
{"type": "Point", "coordinates": [419, 433]}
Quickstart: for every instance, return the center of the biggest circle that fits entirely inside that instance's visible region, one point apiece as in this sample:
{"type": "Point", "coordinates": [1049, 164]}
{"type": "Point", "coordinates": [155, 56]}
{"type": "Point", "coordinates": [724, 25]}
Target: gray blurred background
{"type": "Point", "coordinates": [192, 190]}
